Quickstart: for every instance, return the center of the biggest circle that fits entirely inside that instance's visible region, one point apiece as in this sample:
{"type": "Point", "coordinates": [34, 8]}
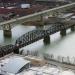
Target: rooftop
{"type": "Point", "coordinates": [18, 61]}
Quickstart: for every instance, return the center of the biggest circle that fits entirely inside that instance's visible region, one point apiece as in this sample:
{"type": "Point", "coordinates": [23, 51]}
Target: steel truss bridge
{"type": "Point", "coordinates": [36, 35]}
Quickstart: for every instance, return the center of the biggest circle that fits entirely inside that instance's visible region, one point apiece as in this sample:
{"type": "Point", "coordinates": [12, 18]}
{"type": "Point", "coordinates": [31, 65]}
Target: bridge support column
{"type": "Point", "coordinates": [72, 28]}
{"type": "Point", "coordinates": [46, 39]}
{"type": "Point", "coordinates": [63, 32]}
{"type": "Point", "coordinates": [39, 27]}
{"type": "Point", "coordinates": [7, 30]}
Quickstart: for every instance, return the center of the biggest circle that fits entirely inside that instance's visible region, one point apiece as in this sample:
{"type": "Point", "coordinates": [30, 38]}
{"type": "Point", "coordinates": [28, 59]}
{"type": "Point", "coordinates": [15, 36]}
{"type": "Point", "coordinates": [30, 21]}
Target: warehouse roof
{"type": "Point", "coordinates": [15, 64]}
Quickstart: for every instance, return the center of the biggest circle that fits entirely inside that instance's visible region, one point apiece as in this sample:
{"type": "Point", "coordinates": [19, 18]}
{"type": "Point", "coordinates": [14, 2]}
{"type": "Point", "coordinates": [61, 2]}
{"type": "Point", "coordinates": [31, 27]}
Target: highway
{"type": "Point", "coordinates": [39, 14]}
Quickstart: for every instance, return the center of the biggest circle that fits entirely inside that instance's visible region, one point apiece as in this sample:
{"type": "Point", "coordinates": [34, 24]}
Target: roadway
{"type": "Point", "coordinates": [38, 15]}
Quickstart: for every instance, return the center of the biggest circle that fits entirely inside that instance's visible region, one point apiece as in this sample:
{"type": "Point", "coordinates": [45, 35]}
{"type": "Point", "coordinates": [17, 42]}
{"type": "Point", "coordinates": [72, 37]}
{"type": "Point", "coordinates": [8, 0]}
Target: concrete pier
{"type": "Point", "coordinates": [72, 28]}
{"type": "Point", "coordinates": [7, 30]}
{"type": "Point", "coordinates": [63, 32]}
{"type": "Point", "coordinates": [46, 39]}
{"type": "Point", "coordinates": [7, 33]}
{"type": "Point", "coordinates": [39, 27]}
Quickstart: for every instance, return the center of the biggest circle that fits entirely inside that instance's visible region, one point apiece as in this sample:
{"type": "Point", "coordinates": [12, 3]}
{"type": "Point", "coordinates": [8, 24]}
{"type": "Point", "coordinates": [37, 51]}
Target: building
{"type": "Point", "coordinates": [15, 65]}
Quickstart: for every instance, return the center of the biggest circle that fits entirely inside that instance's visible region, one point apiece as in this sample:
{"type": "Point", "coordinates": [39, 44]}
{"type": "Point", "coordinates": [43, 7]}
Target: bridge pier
{"type": "Point", "coordinates": [63, 32]}
{"type": "Point", "coordinates": [39, 27]}
{"type": "Point", "coordinates": [46, 39]}
{"type": "Point", "coordinates": [72, 28]}
{"type": "Point", "coordinates": [7, 30]}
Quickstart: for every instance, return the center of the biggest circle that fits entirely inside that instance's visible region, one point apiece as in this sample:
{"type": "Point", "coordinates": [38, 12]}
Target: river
{"type": "Point", "coordinates": [64, 46]}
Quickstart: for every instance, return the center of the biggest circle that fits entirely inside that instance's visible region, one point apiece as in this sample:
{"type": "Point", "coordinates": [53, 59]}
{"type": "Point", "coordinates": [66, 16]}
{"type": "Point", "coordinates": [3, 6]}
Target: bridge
{"type": "Point", "coordinates": [36, 16]}
{"type": "Point", "coordinates": [35, 35]}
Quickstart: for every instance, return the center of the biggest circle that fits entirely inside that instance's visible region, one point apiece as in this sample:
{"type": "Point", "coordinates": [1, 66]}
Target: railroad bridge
{"type": "Point", "coordinates": [35, 35]}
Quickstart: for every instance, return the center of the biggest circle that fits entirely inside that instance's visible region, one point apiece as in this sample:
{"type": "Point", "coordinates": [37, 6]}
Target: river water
{"type": "Point", "coordinates": [64, 46]}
